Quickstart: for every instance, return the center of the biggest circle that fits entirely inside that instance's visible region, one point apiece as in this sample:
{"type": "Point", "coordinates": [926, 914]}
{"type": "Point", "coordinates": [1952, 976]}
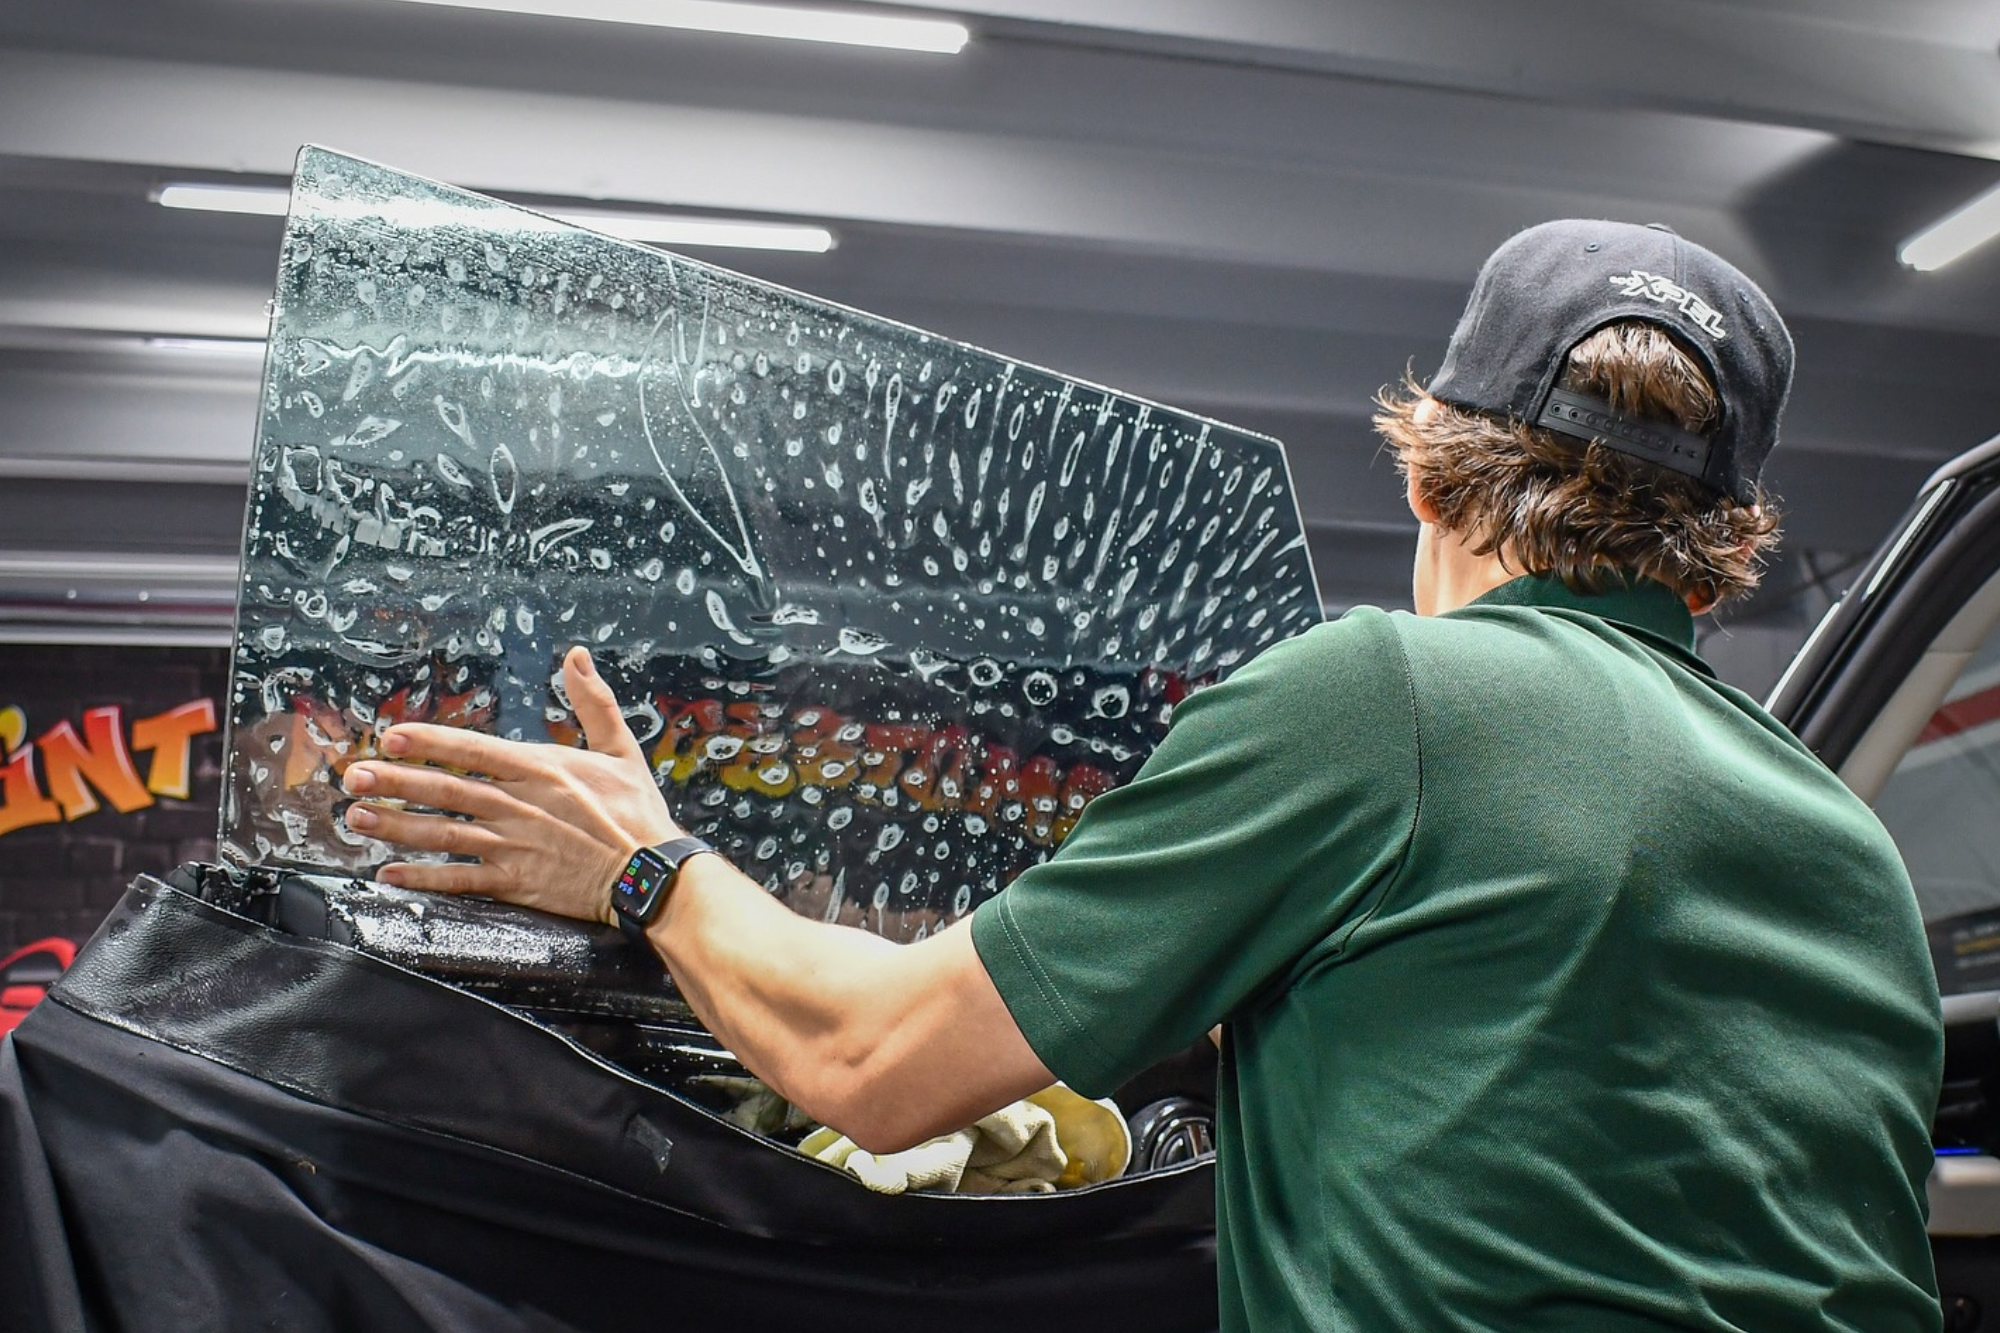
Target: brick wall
{"type": "Point", "coordinates": [61, 865]}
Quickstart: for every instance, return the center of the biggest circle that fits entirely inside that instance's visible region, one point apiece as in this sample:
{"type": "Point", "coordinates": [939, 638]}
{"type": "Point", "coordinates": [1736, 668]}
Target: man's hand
{"type": "Point", "coordinates": [551, 826]}
{"type": "Point", "coordinates": [888, 1043]}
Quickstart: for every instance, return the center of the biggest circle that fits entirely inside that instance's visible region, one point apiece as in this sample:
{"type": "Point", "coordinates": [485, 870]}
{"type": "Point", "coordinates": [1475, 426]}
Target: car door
{"type": "Point", "coordinates": [1898, 690]}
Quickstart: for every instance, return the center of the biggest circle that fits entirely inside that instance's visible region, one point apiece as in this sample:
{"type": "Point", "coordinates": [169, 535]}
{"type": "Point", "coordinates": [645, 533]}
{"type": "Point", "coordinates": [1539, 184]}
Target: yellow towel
{"type": "Point", "coordinates": [1092, 1134]}
{"type": "Point", "coordinates": [1056, 1139]}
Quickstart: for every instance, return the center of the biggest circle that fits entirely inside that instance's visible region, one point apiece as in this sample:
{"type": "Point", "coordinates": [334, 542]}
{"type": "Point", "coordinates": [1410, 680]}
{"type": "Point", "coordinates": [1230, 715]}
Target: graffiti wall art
{"type": "Point", "coordinates": [109, 765]}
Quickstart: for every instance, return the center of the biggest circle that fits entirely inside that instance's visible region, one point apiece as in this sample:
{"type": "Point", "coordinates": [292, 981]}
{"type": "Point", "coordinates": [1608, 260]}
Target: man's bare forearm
{"type": "Point", "coordinates": [890, 1044]}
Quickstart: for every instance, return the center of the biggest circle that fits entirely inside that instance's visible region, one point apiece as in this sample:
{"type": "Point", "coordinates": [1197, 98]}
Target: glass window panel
{"type": "Point", "coordinates": [1939, 801]}
{"type": "Point", "coordinates": [1939, 805]}
{"type": "Point", "coordinates": [887, 611]}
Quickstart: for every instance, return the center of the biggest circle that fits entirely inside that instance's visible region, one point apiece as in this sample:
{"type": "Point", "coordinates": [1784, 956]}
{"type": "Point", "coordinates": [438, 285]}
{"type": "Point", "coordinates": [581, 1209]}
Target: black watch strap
{"type": "Point", "coordinates": [642, 887]}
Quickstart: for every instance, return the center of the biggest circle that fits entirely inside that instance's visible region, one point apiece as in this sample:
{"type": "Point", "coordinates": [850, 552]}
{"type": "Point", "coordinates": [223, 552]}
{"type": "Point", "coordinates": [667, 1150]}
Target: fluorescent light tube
{"type": "Point", "coordinates": [271, 200]}
{"type": "Point", "coordinates": [806, 25]}
{"type": "Point", "coordinates": [1957, 233]}
{"type": "Point", "coordinates": [627, 224]}
{"type": "Point", "coordinates": [212, 346]}
{"type": "Point", "coordinates": [658, 229]}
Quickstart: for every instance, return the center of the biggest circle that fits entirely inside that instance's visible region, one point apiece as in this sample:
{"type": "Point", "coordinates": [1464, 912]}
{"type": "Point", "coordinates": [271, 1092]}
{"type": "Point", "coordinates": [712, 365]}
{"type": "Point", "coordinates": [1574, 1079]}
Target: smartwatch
{"type": "Point", "coordinates": [638, 892]}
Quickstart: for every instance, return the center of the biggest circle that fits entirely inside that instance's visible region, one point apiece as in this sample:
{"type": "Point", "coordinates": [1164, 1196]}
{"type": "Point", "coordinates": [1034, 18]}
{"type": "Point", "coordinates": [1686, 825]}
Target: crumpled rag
{"type": "Point", "coordinates": [1055, 1139]}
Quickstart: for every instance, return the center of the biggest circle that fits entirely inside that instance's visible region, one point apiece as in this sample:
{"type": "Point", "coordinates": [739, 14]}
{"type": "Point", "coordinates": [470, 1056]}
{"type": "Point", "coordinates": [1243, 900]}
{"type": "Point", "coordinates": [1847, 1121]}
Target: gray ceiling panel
{"type": "Point", "coordinates": [1257, 209]}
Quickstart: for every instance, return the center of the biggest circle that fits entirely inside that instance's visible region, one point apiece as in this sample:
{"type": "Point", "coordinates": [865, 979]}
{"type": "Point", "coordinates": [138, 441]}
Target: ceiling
{"type": "Point", "coordinates": [1262, 210]}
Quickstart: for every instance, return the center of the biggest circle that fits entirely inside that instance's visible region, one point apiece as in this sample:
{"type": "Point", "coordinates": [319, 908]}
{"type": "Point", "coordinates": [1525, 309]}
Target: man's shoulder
{"type": "Point", "coordinates": [1361, 629]}
{"type": "Point", "coordinates": [1320, 688]}
{"type": "Point", "coordinates": [1343, 656]}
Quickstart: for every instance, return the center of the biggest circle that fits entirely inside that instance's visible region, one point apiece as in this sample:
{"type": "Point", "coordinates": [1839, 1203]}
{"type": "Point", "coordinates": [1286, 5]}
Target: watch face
{"type": "Point", "coordinates": [636, 888]}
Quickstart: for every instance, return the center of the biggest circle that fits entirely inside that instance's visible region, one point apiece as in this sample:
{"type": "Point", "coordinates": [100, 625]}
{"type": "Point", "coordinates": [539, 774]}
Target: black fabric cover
{"type": "Point", "coordinates": [215, 1125]}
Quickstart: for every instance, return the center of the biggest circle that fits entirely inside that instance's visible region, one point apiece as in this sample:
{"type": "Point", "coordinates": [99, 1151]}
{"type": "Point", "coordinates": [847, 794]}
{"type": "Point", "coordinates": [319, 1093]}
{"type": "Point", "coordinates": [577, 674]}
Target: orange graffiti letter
{"type": "Point", "coordinates": [22, 804]}
{"type": "Point", "coordinates": [101, 761]}
{"type": "Point", "coordinates": [170, 736]}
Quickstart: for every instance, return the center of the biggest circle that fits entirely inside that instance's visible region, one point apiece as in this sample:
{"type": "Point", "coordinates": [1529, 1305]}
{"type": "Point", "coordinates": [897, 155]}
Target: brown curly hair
{"type": "Point", "coordinates": [1578, 511]}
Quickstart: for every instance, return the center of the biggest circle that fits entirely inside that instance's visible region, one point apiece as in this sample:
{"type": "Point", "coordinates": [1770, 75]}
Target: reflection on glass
{"type": "Point", "coordinates": [1939, 802]}
{"type": "Point", "coordinates": [887, 611]}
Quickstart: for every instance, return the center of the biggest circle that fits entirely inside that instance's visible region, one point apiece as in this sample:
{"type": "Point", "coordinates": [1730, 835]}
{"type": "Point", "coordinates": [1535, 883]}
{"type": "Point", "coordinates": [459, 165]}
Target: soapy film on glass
{"type": "Point", "coordinates": [886, 611]}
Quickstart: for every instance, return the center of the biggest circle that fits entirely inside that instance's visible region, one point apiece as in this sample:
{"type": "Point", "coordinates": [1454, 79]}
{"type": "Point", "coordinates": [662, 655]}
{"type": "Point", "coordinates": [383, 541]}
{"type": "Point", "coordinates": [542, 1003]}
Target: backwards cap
{"type": "Point", "coordinates": [1552, 286]}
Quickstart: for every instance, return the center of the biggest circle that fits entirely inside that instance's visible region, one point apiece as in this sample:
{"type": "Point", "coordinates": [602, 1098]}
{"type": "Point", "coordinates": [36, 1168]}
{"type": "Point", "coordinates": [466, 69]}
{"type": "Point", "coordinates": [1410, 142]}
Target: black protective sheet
{"type": "Point", "coordinates": [430, 1160]}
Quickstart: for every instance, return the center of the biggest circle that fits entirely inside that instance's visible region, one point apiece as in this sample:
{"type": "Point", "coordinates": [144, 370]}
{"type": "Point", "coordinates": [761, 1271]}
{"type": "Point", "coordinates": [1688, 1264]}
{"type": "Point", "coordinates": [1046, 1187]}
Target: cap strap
{"type": "Point", "coordinates": [1588, 418]}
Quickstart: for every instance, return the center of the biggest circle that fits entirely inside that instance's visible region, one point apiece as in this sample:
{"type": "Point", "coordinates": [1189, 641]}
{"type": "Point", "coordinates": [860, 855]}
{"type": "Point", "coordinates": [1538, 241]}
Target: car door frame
{"type": "Point", "coordinates": [1942, 553]}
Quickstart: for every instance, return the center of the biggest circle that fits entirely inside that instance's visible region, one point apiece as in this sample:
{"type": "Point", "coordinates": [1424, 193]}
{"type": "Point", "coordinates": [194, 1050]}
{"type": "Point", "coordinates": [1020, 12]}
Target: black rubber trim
{"type": "Point", "coordinates": [1901, 602]}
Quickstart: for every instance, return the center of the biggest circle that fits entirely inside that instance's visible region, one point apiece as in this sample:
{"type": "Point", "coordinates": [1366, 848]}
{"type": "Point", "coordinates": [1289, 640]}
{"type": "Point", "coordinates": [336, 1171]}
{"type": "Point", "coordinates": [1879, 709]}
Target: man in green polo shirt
{"type": "Point", "coordinates": [1561, 988]}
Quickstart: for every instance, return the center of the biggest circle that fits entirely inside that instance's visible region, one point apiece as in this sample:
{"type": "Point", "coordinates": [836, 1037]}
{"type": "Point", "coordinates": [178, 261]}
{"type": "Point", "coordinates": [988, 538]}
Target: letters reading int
{"type": "Point", "coordinates": [61, 774]}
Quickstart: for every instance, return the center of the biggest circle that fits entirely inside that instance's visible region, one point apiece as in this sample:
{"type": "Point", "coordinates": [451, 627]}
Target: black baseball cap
{"type": "Point", "coordinates": [1552, 286]}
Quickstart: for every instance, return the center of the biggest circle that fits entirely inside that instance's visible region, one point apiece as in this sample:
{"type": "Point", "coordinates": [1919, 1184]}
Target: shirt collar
{"type": "Point", "coordinates": [1649, 609]}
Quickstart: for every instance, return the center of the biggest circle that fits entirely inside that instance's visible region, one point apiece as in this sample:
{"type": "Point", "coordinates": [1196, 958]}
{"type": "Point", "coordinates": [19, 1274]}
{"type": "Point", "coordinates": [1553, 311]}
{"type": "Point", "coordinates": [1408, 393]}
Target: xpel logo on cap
{"type": "Point", "coordinates": [1668, 292]}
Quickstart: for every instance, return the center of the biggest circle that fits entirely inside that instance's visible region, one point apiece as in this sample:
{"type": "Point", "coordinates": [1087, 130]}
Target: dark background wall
{"type": "Point", "coordinates": [61, 873]}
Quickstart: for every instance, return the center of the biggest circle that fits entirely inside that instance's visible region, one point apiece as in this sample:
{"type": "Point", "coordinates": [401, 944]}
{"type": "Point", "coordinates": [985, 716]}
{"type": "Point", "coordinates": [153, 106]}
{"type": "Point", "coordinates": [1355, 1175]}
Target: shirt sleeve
{"type": "Point", "coordinates": [1261, 831]}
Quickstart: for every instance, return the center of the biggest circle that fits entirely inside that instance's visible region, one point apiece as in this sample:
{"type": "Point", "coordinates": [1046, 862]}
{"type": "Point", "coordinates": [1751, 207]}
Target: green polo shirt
{"type": "Point", "coordinates": [1564, 988]}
